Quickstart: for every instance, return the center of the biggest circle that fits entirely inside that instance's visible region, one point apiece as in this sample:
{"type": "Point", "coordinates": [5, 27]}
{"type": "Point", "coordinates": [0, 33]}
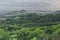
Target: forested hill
{"type": "Point", "coordinates": [31, 26]}
{"type": "Point", "coordinates": [34, 19]}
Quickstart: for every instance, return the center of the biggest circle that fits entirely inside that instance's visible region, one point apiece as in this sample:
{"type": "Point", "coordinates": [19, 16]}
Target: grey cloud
{"type": "Point", "coordinates": [28, 4]}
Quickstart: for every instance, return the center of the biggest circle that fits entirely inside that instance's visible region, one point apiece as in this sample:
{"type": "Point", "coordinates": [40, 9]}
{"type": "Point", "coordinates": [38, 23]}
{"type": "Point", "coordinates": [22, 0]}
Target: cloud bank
{"type": "Point", "coordinates": [29, 4]}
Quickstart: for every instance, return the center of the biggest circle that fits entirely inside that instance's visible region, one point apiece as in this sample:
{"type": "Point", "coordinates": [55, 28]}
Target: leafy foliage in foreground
{"type": "Point", "coordinates": [14, 32]}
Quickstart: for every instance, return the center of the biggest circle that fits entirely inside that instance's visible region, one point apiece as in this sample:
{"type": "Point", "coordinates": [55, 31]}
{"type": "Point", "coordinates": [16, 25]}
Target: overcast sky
{"type": "Point", "coordinates": [29, 4]}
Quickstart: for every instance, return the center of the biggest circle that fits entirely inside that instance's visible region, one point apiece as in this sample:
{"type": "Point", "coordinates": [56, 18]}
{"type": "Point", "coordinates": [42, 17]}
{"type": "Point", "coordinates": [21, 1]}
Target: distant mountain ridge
{"type": "Point", "coordinates": [14, 13]}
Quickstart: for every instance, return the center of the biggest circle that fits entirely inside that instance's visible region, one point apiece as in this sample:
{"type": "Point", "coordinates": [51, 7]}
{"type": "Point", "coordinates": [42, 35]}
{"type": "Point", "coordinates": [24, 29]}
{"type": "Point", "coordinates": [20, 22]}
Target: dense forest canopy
{"type": "Point", "coordinates": [31, 26]}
